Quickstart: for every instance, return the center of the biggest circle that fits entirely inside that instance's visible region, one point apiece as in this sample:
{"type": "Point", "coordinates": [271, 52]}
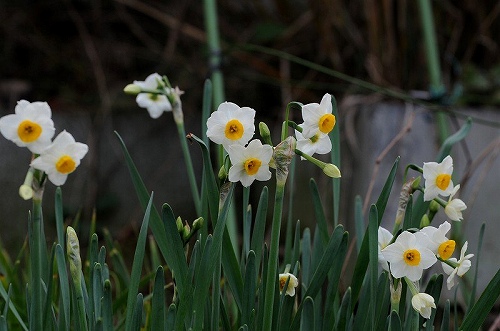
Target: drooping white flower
{"type": "Point", "coordinates": [409, 255]}
{"type": "Point", "coordinates": [318, 117]}
{"type": "Point", "coordinates": [454, 207]}
{"type": "Point", "coordinates": [61, 158]}
{"type": "Point", "coordinates": [440, 244]}
{"type": "Point", "coordinates": [231, 125]}
{"type": "Point", "coordinates": [292, 283]}
{"type": "Point", "coordinates": [423, 303]}
{"type": "Point", "coordinates": [155, 103]}
{"type": "Point", "coordinates": [438, 178]}
{"type": "Point", "coordinates": [250, 163]}
{"type": "Point", "coordinates": [384, 238]}
{"type": "Point", "coordinates": [462, 266]}
{"type": "Point", "coordinates": [31, 126]}
{"type": "Point", "coordinates": [318, 143]}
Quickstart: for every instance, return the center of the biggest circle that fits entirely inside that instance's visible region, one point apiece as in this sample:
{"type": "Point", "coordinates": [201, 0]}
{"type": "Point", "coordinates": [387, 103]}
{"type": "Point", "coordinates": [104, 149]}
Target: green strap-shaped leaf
{"type": "Point", "coordinates": [373, 260]}
{"type": "Point", "coordinates": [250, 285]}
{"type": "Point", "coordinates": [395, 322]}
{"type": "Point", "coordinates": [359, 222]}
{"type": "Point", "coordinates": [64, 307]}
{"type": "Point", "coordinates": [307, 320]}
{"type": "Point", "coordinates": [259, 227]}
{"type": "Point", "coordinates": [335, 154]}
{"type": "Point", "coordinates": [169, 242]}
{"type": "Point", "coordinates": [477, 315]}
{"type": "Point", "coordinates": [362, 261]}
{"type": "Point", "coordinates": [318, 211]}
{"type": "Point", "coordinates": [158, 301]}
{"type": "Point", "coordinates": [344, 311]}
{"type": "Point", "coordinates": [445, 322]}
{"type": "Point", "coordinates": [306, 258]}
{"type": "Point", "coordinates": [107, 307]}
{"type": "Point", "coordinates": [136, 308]}
{"type": "Point", "coordinates": [135, 278]}
{"type": "Point", "coordinates": [171, 317]}
{"type": "Point", "coordinates": [333, 253]}
{"type": "Point", "coordinates": [453, 139]}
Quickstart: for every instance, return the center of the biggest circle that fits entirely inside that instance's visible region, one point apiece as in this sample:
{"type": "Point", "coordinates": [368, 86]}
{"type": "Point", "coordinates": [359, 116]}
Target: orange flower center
{"type": "Point", "coordinates": [29, 131]}
{"type": "Point", "coordinates": [411, 257]}
{"type": "Point", "coordinates": [252, 165]}
{"type": "Point", "coordinates": [65, 164]}
{"type": "Point", "coordinates": [442, 181]}
{"type": "Point", "coordinates": [326, 123]}
{"type": "Point", "coordinates": [234, 130]}
{"type": "Point", "coordinates": [446, 249]}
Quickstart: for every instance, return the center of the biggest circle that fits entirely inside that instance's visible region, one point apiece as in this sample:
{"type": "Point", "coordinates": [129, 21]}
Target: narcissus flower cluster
{"type": "Point", "coordinates": [233, 127]}
{"type": "Point", "coordinates": [31, 126]}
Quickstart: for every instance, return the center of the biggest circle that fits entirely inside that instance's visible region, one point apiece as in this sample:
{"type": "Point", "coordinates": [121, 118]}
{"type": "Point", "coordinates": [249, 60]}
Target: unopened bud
{"type": "Point", "coordinates": [198, 223]}
{"type": "Point", "coordinates": [73, 252]}
{"type": "Point", "coordinates": [178, 223]}
{"type": "Point", "coordinates": [222, 173]}
{"type": "Point", "coordinates": [424, 221]}
{"type": "Point", "coordinates": [433, 206]}
{"type": "Point", "coordinates": [132, 89]}
{"type": "Point", "coordinates": [331, 170]}
{"type": "Point", "coordinates": [186, 232]}
{"type": "Point", "coordinates": [26, 192]}
{"type": "Point", "coordinates": [416, 183]}
{"type": "Point", "coordinates": [265, 133]}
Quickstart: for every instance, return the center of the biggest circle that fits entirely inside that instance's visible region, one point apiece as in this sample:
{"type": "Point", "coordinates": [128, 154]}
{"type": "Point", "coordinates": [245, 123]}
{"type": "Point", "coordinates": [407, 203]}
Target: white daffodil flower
{"type": "Point", "coordinates": [250, 163]}
{"type": "Point", "coordinates": [440, 245]}
{"type": "Point", "coordinates": [155, 103]}
{"type": "Point", "coordinates": [318, 143]}
{"type": "Point", "coordinates": [31, 126]}
{"type": "Point", "coordinates": [454, 207]}
{"type": "Point", "coordinates": [423, 303]}
{"type": "Point", "coordinates": [438, 178]}
{"type": "Point", "coordinates": [292, 283]}
{"type": "Point", "coordinates": [409, 255]}
{"type": "Point", "coordinates": [61, 158]}
{"type": "Point", "coordinates": [384, 238]}
{"type": "Point", "coordinates": [318, 117]}
{"type": "Point", "coordinates": [231, 125]}
{"type": "Point", "coordinates": [462, 266]}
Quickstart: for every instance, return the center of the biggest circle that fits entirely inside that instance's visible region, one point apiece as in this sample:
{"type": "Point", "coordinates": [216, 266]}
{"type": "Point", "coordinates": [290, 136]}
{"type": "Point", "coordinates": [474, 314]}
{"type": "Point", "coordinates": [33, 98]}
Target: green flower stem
{"type": "Point", "coordinates": [189, 164]}
{"type": "Point", "coordinates": [297, 105]}
{"type": "Point", "coordinates": [271, 278]}
{"type": "Point", "coordinates": [36, 312]}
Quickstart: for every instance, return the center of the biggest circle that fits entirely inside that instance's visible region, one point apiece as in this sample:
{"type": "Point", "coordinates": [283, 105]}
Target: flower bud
{"type": "Point", "coordinates": [424, 221]}
{"type": "Point", "coordinates": [178, 223]}
{"type": "Point", "coordinates": [265, 133]}
{"type": "Point", "coordinates": [186, 232]}
{"type": "Point", "coordinates": [198, 223]}
{"type": "Point", "coordinates": [331, 170]}
{"type": "Point", "coordinates": [26, 192]}
{"type": "Point", "coordinates": [434, 206]}
{"type": "Point", "coordinates": [132, 89]}
{"type": "Point", "coordinates": [416, 183]}
{"type": "Point", "coordinates": [73, 252]}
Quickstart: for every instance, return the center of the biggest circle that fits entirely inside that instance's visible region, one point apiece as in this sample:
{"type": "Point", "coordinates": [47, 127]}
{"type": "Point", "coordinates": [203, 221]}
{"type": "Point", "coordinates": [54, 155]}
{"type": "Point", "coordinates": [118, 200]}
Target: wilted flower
{"type": "Point", "coordinates": [440, 245]}
{"type": "Point", "coordinates": [155, 103]}
{"type": "Point", "coordinates": [438, 178]}
{"type": "Point", "coordinates": [423, 303]}
{"type": "Point", "coordinates": [61, 158]}
{"type": "Point", "coordinates": [454, 207]}
{"type": "Point", "coordinates": [231, 125]}
{"type": "Point", "coordinates": [318, 117]}
{"type": "Point", "coordinates": [31, 126]}
{"type": "Point", "coordinates": [250, 163]}
{"type": "Point", "coordinates": [409, 255]}
{"type": "Point", "coordinates": [461, 266]}
{"type": "Point", "coordinates": [292, 283]}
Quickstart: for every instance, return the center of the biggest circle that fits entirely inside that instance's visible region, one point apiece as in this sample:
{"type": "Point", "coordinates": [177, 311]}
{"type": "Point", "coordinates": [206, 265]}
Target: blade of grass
{"type": "Point", "coordinates": [133, 298]}
{"type": "Point", "coordinates": [362, 261]}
